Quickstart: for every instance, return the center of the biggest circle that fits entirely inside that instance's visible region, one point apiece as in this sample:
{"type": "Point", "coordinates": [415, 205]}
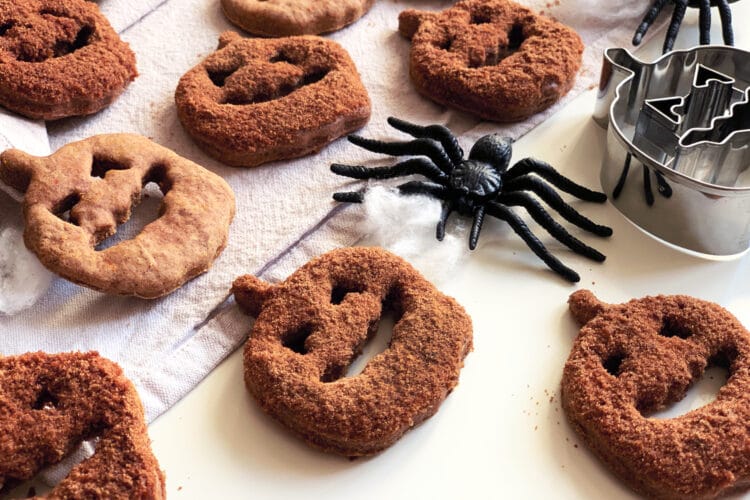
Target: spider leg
{"type": "Point", "coordinates": [647, 191]}
{"type": "Point", "coordinates": [623, 177]}
{"type": "Point", "coordinates": [421, 187]}
{"type": "Point", "coordinates": [704, 21]}
{"type": "Point", "coordinates": [476, 227]}
{"type": "Point", "coordinates": [663, 186]}
{"type": "Point", "coordinates": [725, 12]}
{"type": "Point", "coordinates": [680, 6]}
{"type": "Point", "coordinates": [439, 133]}
{"type": "Point", "coordinates": [349, 197]}
{"type": "Point", "coordinates": [543, 218]}
{"type": "Point", "coordinates": [522, 230]}
{"type": "Point", "coordinates": [420, 166]}
{"type": "Point", "coordinates": [648, 20]}
{"type": "Point", "coordinates": [548, 172]}
{"type": "Point", "coordinates": [446, 211]}
{"type": "Point", "coordinates": [418, 147]}
{"type": "Point", "coordinates": [551, 198]}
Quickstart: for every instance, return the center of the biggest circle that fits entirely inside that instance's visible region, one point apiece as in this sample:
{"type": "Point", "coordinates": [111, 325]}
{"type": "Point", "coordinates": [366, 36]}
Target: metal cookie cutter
{"type": "Point", "coordinates": [686, 119]}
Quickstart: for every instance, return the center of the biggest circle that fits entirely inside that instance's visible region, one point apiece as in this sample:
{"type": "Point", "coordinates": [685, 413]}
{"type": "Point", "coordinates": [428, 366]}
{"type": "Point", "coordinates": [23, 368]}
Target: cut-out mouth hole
{"type": "Point", "coordinates": [144, 213]}
{"type": "Point", "coordinates": [671, 327]}
{"type": "Point", "coordinates": [703, 391]}
{"type": "Point", "coordinates": [219, 76]}
{"type": "Point", "coordinates": [282, 56]}
{"type": "Point", "coordinates": [480, 18]}
{"type": "Point", "coordinates": [339, 292]}
{"type": "Point", "coordinates": [309, 78]}
{"type": "Point", "coordinates": [61, 47]}
{"type": "Point", "coordinates": [38, 485]}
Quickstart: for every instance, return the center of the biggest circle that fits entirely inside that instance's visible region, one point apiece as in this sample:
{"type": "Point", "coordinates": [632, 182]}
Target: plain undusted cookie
{"type": "Point", "coordinates": [258, 100]}
{"type": "Point", "coordinates": [311, 327]}
{"type": "Point", "coordinates": [50, 403]}
{"type": "Point", "coordinates": [632, 359]}
{"type": "Point", "coordinates": [76, 198]}
{"type": "Point", "coordinates": [493, 58]}
{"type": "Point", "coordinates": [294, 17]}
{"type": "Point", "coordinates": [60, 58]}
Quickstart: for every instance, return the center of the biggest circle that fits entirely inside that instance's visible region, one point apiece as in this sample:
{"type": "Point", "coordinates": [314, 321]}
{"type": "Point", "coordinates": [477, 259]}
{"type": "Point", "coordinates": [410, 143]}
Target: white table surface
{"type": "Point", "coordinates": [502, 432]}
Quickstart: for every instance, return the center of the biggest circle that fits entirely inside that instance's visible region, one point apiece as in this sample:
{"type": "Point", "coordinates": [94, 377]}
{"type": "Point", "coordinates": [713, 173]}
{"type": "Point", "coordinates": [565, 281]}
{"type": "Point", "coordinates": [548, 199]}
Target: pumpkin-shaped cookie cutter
{"type": "Point", "coordinates": [685, 118]}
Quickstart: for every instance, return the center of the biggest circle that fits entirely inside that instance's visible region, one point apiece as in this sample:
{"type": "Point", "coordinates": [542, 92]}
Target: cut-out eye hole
{"type": "Point", "coordinates": [671, 327]}
{"type": "Point", "coordinates": [295, 340]}
{"type": "Point", "coordinates": [6, 26]}
{"type": "Point", "coordinates": [100, 166]}
{"type": "Point", "coordinates": [480, 18]}
{"type": "Point", "coordinates": [613, 363]}
{"type": "Point", "coordinates": [45, 401]}
{"type": "Point", "coordinates": [515, 38]}
{"type": "Point", "coordinates": [282, 56]}
{"type": "Point", "coordinates": [219, 76]}
{"type": "Point", "coordinates": [339, 292]}
{"type": "Point", "coordinates": [62, 210]}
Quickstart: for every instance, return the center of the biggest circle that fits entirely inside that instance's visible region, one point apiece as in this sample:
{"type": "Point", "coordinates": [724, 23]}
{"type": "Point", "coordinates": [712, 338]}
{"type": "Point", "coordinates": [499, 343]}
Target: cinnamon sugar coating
{"type": "Point", "coordinates": [311, 327]}
{"type": "Point", "coordinates": [76, 198]}
{"type": "Point", "coordinates": [493, 58]}
{"type": "Point", "coordinates": [60, 58]}
{"type": "Point", "coordinates": [632, 359]}
{"type": "Point", "coordinates": [294, 17]}
{"type": "Point", "coordinates": [258, 100]}
{"type": "Point", "coordinates": [50, 403]}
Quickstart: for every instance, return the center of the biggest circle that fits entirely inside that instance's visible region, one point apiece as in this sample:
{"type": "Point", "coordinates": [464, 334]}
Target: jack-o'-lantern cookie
{"type": "Point", "coordinates": [76, 198]}
{"type": "Point", "coordinates": [51, 403]}
{"type": "Point", "coordinates": [632, 359]}
{"type": "Point", "coordinates": [493, 58]}
{"type": "Point", "coordinates": [259, 100]}
{"type": "Point", "coordinates": [294, 17]}
{"type": "Point", "coordinates": [60, 58]}
{"type": "Point", "coordinates": [310, 328]}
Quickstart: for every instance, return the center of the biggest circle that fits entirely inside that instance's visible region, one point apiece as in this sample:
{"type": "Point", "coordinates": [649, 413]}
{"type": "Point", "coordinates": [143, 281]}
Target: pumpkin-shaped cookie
{"type": "Point", "coordinates": [310, 328]}
{"type": "Point", "coordinates": [76, 198]}
{"type": "Point", "coordinates": [60, 58]}
{"type": "Point", "coordinates": [632, 359]}
{"type": "Point", "coordinates": [493, 58]}
{"type": "Point", "coordinates": [260, 100]}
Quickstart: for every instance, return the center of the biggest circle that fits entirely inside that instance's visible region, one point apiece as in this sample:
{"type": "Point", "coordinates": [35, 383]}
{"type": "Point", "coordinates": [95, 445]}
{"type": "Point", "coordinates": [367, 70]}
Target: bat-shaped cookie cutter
{"type": "Point", "coordinates": [686, 119]}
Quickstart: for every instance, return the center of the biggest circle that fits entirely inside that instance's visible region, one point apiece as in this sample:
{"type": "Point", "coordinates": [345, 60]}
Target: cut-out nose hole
{"type": "Point", "coordinates": [45, 401]}
{"type": "Point", "coordinates": [612, 364]}
{"type": "Point", "coordinates": [671, 327]}
{"type": "Point", "coordinates": [295, 340]}
{"type": "Point", "coordinates": [515, 37]}
{"type": "Point", "coordinates": [100, 166]}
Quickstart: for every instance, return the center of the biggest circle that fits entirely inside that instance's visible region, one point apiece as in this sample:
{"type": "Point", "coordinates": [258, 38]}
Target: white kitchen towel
{"type": "Point", "coordinates": [285, 213]}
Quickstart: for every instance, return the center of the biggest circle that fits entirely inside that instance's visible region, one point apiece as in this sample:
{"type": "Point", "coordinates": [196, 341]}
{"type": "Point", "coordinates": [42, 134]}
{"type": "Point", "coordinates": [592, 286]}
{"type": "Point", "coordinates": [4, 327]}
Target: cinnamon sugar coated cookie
{"type": "Point", "coordinates": [310, 328]}
{"type": "Point", "coordinates": [493, 58]}
{"type": "Point", "coordinates": [50, 403]}
{"type": "Point", "coordinates": [294, 17]}
{"type": "Point", "coordinates": [632, 359]}
{"type": "Point", "coordinates": [76, 198]}
{"type": "Point", "coordinates": [60, 58]}
{"type": "Point", "coordinates": [258, 100]}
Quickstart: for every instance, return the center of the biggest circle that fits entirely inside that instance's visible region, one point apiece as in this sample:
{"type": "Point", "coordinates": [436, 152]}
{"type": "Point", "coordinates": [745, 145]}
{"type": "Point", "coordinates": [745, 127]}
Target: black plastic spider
{"type": "Point", "coordinates": [482, 184]}
{"type": "Point", "coordinates": [680, 6]}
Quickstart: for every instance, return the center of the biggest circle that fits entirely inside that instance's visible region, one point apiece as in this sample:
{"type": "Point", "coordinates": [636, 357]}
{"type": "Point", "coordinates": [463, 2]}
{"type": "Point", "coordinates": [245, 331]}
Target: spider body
{"type": "Point", "coordinates": [483, 184]}
{"type": "Point", "coordinates": [678, 14]}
